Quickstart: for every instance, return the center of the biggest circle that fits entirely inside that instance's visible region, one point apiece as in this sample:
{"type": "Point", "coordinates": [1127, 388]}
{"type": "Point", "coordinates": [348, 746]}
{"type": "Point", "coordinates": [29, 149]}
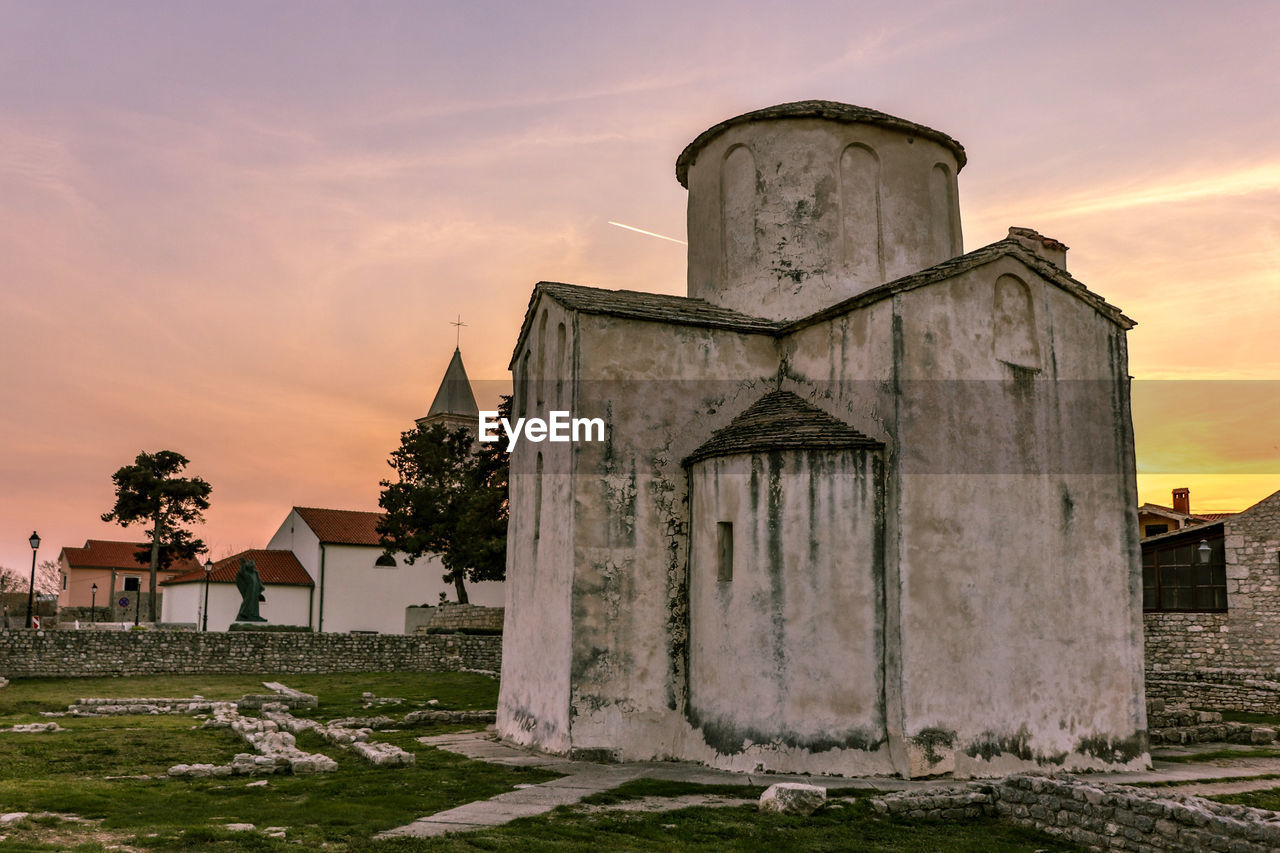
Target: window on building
{"type": "Point", "coordinates": [1174, 578]}
{"type": "Point", "coordinates": [385, 561]}
{"type": "Point", "coordinates": [724, 550]}
{"type": "Point", "coordinates": [1155, 529]}
{"type": "Point", "coordinates": [132, 584]}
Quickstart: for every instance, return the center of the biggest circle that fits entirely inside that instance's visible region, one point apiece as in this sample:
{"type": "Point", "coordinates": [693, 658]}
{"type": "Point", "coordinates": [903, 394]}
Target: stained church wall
{"type": "Point", "coordinates": [786, 601]}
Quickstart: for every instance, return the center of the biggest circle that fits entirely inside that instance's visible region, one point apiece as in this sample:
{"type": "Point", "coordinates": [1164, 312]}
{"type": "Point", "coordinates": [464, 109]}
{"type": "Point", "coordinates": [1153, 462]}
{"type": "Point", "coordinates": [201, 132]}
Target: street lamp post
{"type": "Point", "coordinates": [208, 570]}
{"type": "Point", "coordinates": [93, 604]}
{"type": "Point", "coordinates": [31, 593]}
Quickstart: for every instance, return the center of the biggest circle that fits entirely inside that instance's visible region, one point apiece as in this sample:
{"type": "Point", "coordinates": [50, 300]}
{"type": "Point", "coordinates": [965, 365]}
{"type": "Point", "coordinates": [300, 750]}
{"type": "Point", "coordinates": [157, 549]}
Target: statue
{"type": "Point", "coordinates": [251, 589]}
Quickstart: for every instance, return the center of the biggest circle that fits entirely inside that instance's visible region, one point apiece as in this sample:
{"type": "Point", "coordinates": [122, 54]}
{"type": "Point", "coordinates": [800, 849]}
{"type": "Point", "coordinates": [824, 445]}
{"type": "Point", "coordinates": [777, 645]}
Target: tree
{"type": "Point", "coordinates": [9, 579]}
{"type": "Point", "coordinates": [150, 492]}
{"type": "Point", "coordinates": [48, 577]}
{"type": "Point", "coordinates": [449, 498]}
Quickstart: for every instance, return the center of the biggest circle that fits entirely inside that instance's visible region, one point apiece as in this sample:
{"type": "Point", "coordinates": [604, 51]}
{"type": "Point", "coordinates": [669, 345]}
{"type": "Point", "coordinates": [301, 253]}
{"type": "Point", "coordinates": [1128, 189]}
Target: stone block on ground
{"type": "Point", "coordinates": [37, 727]}
{"type": "Point", "coordinates": [793, 798]}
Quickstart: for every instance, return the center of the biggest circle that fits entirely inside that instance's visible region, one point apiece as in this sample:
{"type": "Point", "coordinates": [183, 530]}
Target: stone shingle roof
{"type": "Point", "coordinates": [830, 110]}
{"type": "Point", "coordinates": [274, 567]}
{"type": "Point", "coordinates": [963, 263]}
{"type": "Point", "coordinates": [341, 526]}
{"type": "Point", "coordinates": [110, 554]}
{"type": "Point", "coordinates": [635, 305]}
{"type": "Point", "coordinates": [454, 396]}
{"type": "Point", "coordinates": [654, 306]}
{"type": "Point", "coordinates": [683, 310]}
{"type": "Point", "coordinates": [781, 420]}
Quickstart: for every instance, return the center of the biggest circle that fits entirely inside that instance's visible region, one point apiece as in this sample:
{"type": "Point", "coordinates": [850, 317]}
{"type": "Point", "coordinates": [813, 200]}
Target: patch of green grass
{"type": "Point", "coordinates": [1222, 755]}
{"type": "Point", "coordinates": [1268, 799]}
{"type": "Point", "coordinates": [339, 693]}
{"type": "Point", "coordinates": [837, 827]}
{"type": "Point", "coordinates": [847, 793]}
{"type": "Point", "coordinates": [638, 789]}
{"type": "Point", "coordinates": [25, 698]}
{"type": "Point", "coordinates": [1252, 719]}
{"type": "Point", "coordinates": [96, 747]}
{"type": "Point", "coordinates": [67, 771]}
{"type": "Point", "coordinates": [1174, 783]}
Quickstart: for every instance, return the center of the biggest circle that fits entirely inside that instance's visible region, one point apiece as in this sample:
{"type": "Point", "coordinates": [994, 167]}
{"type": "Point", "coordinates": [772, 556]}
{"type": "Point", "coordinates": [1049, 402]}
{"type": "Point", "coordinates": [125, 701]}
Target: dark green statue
{"type": "Point", "coordinates": [251, 589]}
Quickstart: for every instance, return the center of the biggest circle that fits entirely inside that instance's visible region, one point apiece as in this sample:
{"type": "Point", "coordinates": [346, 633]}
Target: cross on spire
{"type": "Point", "coordinates": [458, 337]}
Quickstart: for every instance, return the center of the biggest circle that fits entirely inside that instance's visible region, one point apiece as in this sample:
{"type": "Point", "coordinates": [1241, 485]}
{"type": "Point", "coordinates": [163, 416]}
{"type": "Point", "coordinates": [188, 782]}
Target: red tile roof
{"type": "Point", "coordinates": [274, 567]}
{"type": "Point", "coordinates": [341, 526]}
{"type": "Point", "coordinates": [108, 554]}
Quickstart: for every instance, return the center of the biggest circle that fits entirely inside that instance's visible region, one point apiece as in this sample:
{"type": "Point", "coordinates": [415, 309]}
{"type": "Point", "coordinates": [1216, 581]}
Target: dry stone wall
{"type": "Point", "coordinates": [27, 653]}
{"type": "Point", "coordinates": [1231, 660]}
{"type": "Point", "coordinates": [1221, 689]}
{"type": "Point", "coordinates": [1099, 816]}
{"type": "Point", "coordinates": [455, 617]}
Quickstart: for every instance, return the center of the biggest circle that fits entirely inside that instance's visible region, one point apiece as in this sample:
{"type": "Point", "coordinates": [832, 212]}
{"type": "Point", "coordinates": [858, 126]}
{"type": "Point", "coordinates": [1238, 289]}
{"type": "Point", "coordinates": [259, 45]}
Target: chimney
{"type": "Point", "coordinates": [1182, 501]}
{"type": "Point", "coordinates": [1044, 247]}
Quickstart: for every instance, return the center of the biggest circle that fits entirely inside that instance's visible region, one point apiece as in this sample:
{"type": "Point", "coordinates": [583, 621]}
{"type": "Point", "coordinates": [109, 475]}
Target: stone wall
{"type": "Point", "coordinates": [1219, 689]}
{"type": "Point", "coordinates": [1098, 816]}
{"type": "Point", "coordinates": [454, 617]}
{"type": "Point", "coordinates": [1231, 660]}
{"type": "Point", "coordinates": [25, 653]}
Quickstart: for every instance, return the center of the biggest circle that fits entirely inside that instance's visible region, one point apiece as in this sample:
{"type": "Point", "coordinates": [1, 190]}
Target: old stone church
{"type": "Point", "coordinates": [865, 502]}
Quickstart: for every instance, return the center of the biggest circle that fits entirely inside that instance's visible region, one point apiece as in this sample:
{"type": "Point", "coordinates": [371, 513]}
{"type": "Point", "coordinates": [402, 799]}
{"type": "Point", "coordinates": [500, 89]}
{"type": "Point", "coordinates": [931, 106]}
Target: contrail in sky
{"type": "Point", "coordinates": [650, 233]}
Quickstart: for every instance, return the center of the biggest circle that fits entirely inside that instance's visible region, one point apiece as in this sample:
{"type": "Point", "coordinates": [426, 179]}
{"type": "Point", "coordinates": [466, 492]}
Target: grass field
{"type": "Point", "coordinates": [105, 779]}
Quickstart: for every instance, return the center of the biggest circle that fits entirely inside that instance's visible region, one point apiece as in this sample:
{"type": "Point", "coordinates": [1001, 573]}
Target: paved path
{"type": "Point", "coordinates": [581, 779]}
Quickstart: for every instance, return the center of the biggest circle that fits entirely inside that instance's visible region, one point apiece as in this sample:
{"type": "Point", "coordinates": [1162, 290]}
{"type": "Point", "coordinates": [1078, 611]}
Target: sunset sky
{"type": "Point", "coordinates": [240, 230]}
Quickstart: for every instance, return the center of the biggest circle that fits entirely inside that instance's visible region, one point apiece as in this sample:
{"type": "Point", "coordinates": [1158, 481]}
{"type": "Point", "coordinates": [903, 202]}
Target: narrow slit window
{"type": "Point", "coordinates": [724, 550]}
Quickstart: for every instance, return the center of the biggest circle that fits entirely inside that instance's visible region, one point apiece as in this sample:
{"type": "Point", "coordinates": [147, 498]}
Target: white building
{"type": "Point", "coordinates": [286, 599]}
{"type": "Point", "coordinates": [357, 587]}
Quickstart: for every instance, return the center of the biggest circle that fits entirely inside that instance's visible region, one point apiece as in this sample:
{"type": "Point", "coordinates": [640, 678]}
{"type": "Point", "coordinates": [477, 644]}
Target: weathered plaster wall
{"type": "Point", "coordinates": [537, 634]}
{"type": "Point", "coordinates": [789, 649]}
{"type": "Point", "coordinates": [999, 413]}
{"type": "Point", "coordinates": [1018, 643]}
{"type": "Point", "coordinates": [787, 217]}
{"type": "Point", "coordinates": [630, 518]}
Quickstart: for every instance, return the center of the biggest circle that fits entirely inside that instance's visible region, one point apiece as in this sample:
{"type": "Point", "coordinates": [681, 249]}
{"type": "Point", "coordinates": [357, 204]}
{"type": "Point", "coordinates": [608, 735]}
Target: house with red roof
{"type": "Point", "coordinates": [285, 601]}
{"type": "Point", "coordinates": [114, 568]}
{"type": "Point", "coordinates": [357, 586]}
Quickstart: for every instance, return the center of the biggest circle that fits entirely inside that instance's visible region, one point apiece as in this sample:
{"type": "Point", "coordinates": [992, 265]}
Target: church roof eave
{"type": "Point", "coordinates": [687, 311]}
{"type": "Point", "coordinates": [639, 305]}
{"type": "Point", "coordinates": [961, 264]}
